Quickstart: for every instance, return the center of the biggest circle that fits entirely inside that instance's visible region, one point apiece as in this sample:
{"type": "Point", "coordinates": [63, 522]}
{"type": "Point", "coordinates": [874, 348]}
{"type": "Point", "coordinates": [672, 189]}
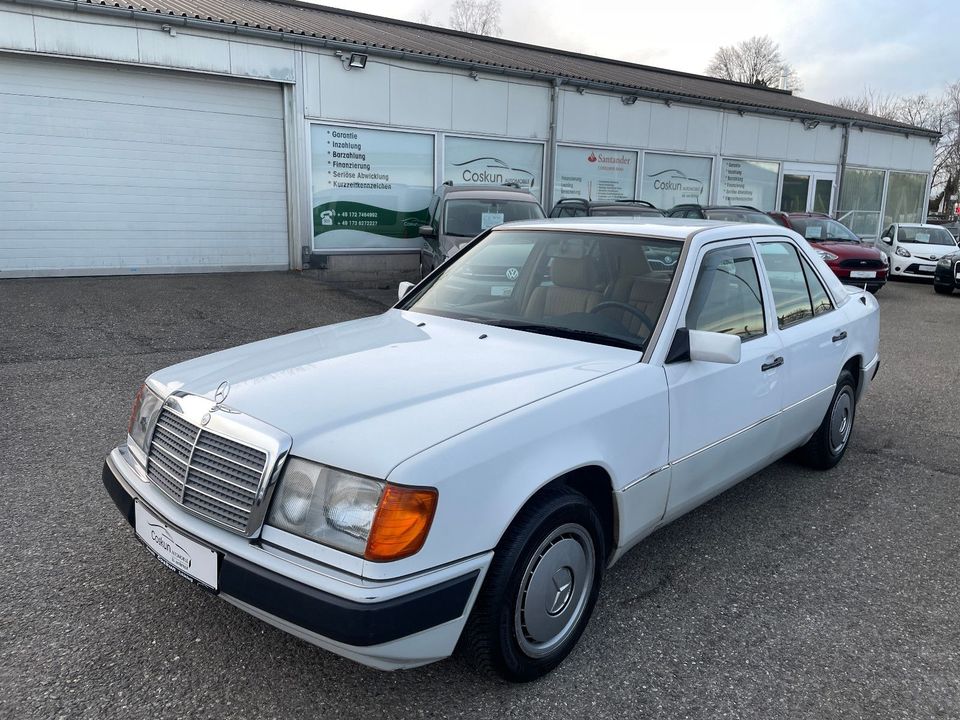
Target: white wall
{"type": "Point", "coordinates": [422, 96]}
{"type": "Point", "coordinates": [887, 150]}
{"type": "Point", "coordinates": [56, 32]}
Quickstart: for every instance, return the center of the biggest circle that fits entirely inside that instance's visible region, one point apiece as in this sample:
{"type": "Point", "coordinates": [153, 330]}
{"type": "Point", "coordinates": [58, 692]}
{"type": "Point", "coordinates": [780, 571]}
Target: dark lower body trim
{"type": "Point", "coordinates": [345, 621]}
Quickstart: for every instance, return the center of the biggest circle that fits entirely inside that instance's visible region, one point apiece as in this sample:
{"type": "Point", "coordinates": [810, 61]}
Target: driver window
{"type": "Point", "coordinates": [726, 297]}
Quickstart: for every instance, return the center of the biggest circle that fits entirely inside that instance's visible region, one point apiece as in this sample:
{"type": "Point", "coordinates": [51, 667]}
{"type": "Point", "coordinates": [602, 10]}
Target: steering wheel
{"type": "Point", "coordinates": [636, 312]}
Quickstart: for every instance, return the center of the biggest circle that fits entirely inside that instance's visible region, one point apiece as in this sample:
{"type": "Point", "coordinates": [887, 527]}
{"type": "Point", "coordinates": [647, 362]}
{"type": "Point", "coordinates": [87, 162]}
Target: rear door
{"type": "Point", "coordinates": [813, 335]}
{"type": "Point", "coordinates": [724, 419]}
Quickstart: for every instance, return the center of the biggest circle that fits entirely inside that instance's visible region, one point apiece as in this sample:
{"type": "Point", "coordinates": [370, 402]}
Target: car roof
{"type": "Point", "coordinates": [681, 229]}
{"type": "Point", "coordinates": [923, 225]}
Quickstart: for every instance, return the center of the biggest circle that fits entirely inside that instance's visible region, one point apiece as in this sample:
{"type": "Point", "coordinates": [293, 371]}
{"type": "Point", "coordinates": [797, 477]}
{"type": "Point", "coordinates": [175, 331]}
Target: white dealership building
{"type": "Point", "coordinates": [212, 135]}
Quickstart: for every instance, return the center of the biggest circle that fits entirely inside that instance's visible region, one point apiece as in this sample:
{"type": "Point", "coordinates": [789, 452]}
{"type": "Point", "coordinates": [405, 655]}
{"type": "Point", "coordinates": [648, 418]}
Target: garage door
{"type": "Point", "coordinates": [113, 170]}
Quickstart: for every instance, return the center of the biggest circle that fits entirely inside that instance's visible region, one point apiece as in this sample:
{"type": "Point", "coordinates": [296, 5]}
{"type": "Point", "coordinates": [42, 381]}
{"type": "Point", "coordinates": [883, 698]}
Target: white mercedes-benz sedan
{"type": "Point", "coordinates": [462, 469]}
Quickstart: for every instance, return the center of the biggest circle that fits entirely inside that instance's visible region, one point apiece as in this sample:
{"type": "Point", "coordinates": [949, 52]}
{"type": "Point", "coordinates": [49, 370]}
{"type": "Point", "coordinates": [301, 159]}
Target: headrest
{"type": "Point", "coordinates": [632, 261]}
{"type": "Point", "coordinates": [573, 273]}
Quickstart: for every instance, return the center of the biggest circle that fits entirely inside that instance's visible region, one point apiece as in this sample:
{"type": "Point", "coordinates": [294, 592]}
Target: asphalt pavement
{"type": "Point", "coordinates": [795, 594]}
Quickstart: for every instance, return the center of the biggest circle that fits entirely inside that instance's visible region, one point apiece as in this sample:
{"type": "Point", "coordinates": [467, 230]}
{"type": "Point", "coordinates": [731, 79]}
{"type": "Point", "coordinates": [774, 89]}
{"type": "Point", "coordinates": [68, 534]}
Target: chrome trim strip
{"type": "Point", "coordinates": [644, 477]}
{"type": "Point", "coordinates": [723, 440]}
{"type": "Point", "coordinates": [750, 427]}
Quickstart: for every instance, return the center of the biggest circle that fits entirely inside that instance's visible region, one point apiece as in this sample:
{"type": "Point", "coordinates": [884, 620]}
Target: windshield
{"type": "Point", "coordinates": [468, 218]}
{"type": "Point", "coordinates": [625, 211]}
{"type": "Point", "coordinates": [600, 288]}
{"type": "Point", "coordinates": [925, 236]}
{"type": "Point", "coordinates": [740, 216]}
{"type": "Point", "coordinates": [815, 229]}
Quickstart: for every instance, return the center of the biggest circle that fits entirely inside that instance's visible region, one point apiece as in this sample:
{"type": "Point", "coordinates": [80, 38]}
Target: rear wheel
{"type": "Point", "coordinates": [943, 289]}
{"type": "Point", "coordinates": [540, 590]}
{"type": "Point", "coordinates": [829, 443]}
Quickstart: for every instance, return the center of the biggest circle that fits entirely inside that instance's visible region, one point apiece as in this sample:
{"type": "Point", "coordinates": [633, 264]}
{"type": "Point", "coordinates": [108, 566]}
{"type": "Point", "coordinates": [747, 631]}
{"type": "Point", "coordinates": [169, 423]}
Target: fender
{"type": "Point", "coordinates": [487, 474]}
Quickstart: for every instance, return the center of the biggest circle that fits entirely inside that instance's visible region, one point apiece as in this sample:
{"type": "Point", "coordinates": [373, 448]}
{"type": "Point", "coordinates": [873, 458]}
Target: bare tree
{"type": "Point", "coordinates": [757, 61]}
{"type": "Point", "coordinates": [871, 102]}
{"type": "Point", "coordinates": [426, 18]}
{"type": "Point", "coordinates": [481, 17]}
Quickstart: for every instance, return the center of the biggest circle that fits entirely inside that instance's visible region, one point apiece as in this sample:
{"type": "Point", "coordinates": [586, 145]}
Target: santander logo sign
{"type": "Point", "coordinates": [609, 159]}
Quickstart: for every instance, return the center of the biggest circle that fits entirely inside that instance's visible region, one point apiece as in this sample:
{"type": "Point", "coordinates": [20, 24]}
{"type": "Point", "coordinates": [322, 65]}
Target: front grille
{"type": "Point", "coordinates": [862, 264]}
{"type": "Point", "coordinates": [207, 473]}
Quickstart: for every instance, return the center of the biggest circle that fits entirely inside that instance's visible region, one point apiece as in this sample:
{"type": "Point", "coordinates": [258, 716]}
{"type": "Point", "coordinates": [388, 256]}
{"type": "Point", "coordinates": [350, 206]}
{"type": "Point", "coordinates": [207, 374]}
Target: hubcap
{"type": "Point", "coordinates": [841, 420]}
{"type": "Point", "coordinates": [554, 590]}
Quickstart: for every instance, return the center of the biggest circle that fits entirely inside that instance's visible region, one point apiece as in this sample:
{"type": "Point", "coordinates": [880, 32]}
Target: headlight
{"type": "Point", "coordinates": [945, 262]}
{"type": "Point", "coordinates": [884, 259]}
{"type": "Point", "coordinates": [901, 252]}
{"type": "Point", "coordinates": [146, 405]}
{"type": "Point", "coordinates": [826, 256]}
{"type": "Point", "coordinates": [356, 514]}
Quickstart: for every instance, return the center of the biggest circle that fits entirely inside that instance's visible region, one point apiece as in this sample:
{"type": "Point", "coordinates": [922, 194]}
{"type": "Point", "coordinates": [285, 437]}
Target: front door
{"type": "Point", "coordinates": [724, 419]}
{"type": "Point", "coordinates": [805, 191]}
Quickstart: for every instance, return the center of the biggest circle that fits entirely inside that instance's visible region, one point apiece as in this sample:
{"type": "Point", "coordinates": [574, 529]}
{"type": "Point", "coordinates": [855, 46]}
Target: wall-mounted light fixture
{"type": "Point", "coordinates": [628, 99]}
{"type": "Point", "coordinates": [810, 124]}
{"type": "Point", "coordinates": [581, 90]}
{"type": "Point", "coordinates": [169, 29]}
{"type": "Point", "coordinates": [474, 75]}
{"type": "Point", "coordinates": [353, 60]}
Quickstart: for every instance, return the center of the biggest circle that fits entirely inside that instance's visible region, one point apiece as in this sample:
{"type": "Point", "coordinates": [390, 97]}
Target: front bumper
{"type": "Point", "coordinates": [384, 624]}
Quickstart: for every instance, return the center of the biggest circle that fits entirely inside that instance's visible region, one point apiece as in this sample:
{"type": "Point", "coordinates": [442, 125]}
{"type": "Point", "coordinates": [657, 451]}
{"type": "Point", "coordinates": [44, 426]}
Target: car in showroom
{"type": "Point", "coordinates": [458, 213]}
{"type": "Point", "coordinates": [946, 278]}
{"type": "Point", "coordinates": [463, 474]}
{"type": "Point", "coordinates": [854, 262]}
{"type": "Point", "coordinates": [914, 249]}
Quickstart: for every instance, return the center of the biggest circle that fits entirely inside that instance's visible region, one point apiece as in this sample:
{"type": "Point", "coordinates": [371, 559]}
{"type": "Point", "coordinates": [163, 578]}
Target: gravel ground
{"type": "Point", "coordinates": [795, 594]}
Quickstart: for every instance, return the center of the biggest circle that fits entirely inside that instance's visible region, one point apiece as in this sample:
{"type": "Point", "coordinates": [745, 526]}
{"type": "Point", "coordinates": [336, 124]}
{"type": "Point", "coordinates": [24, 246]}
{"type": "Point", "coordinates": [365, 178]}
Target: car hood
{"type": "Point", "coordinates": [927, 251]}
{"type": "Point", "coordinates": [366, 395]}
{"type": "Point", "coordinates": [848, 250]}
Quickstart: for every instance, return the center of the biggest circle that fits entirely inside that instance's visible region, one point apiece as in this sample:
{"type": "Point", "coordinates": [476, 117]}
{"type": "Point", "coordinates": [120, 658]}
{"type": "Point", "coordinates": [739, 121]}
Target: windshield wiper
{"type": "Point", "coordinates": [570, 334]}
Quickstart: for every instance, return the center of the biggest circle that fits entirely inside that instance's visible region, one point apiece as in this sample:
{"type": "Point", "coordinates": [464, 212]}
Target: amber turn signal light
{"type": "Point", "coordinates": [135, 410]}
{"type": "Point", "coordinates": [401, 523]}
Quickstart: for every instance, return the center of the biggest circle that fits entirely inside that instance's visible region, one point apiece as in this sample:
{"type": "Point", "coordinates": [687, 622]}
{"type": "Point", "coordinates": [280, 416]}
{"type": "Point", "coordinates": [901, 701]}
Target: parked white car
{"type": "Point", "coordinates": [914, 249]}
{"type": "Point", "coordinates": [464, 471]}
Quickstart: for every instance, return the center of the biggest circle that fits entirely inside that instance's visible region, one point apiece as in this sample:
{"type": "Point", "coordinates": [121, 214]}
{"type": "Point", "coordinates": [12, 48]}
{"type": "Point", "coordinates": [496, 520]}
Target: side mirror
{"type": "Point", "coordinates": [427, 231]}
{"type": "Point", "coordinates": [404, 287]}
{"type": "Point", "coordinates": [705, 347]}
{"type": "Point", "coordinates": [886, 240]}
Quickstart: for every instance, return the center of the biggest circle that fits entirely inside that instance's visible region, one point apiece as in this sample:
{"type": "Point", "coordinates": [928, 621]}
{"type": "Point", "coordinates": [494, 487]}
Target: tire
{"type": "Point", "coordinates": [540, 589]}
{"type": "Point", "coordinates": [943, 289]}
{"type": "Point", "coordinates": [829, 443]}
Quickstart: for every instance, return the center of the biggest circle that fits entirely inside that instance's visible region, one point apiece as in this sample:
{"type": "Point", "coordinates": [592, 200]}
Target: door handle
{"type": "Point", "coordinates": [842, 335]}
{"type": "Point", "coordinates": [775, 363]}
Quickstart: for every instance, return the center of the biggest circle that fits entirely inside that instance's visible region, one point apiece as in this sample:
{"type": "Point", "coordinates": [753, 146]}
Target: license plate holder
{"type": "Point", "coordinates": [185, 556]}
{"type": "Point", "coordinates": [863, 273]}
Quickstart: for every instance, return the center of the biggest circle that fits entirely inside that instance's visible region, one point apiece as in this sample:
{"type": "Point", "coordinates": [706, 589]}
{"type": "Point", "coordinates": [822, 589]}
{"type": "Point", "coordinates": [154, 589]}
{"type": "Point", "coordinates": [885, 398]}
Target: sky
{"type": "Point", "coordinates": [838, 48]}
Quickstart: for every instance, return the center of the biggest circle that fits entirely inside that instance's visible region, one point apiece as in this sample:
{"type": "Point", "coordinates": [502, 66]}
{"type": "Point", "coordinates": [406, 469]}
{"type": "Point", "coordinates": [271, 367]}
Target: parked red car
{"type": "Point", "coordinates": [852, 261]}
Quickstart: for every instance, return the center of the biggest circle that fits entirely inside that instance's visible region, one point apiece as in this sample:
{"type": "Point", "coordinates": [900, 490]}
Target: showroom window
{"type": "Point", "coordinates": [749, 182]}
{"type": "Point", "coordinates": [370, 188]}
{"type": "Point", "coordinates": [861, 194]}
{"type": "Point", "coordinates": [469, 160]}
{"type": "Point", "coordinates": [670, 180]}
{"type": "Point", "coordinates": [595, 174]}
{"type": "Point", "coordinates": [905, 195]}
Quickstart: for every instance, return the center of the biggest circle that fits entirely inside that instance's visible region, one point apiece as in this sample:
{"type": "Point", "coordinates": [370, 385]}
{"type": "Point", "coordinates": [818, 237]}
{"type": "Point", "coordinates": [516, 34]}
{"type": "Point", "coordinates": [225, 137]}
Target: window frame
{"type": "Point", "coordinates": [802, 258]}
{"type": "Point", "coordinates": [730, 244]}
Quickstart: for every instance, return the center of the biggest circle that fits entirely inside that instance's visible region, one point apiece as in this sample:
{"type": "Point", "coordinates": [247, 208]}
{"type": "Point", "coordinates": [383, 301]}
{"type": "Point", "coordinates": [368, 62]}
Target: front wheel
{"type": "Point", "coordinates": [943, 289]}
{"type": "Point", "coordinates": [829, 443]}
{"type": "Point", "coordinates": [540, 590]}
